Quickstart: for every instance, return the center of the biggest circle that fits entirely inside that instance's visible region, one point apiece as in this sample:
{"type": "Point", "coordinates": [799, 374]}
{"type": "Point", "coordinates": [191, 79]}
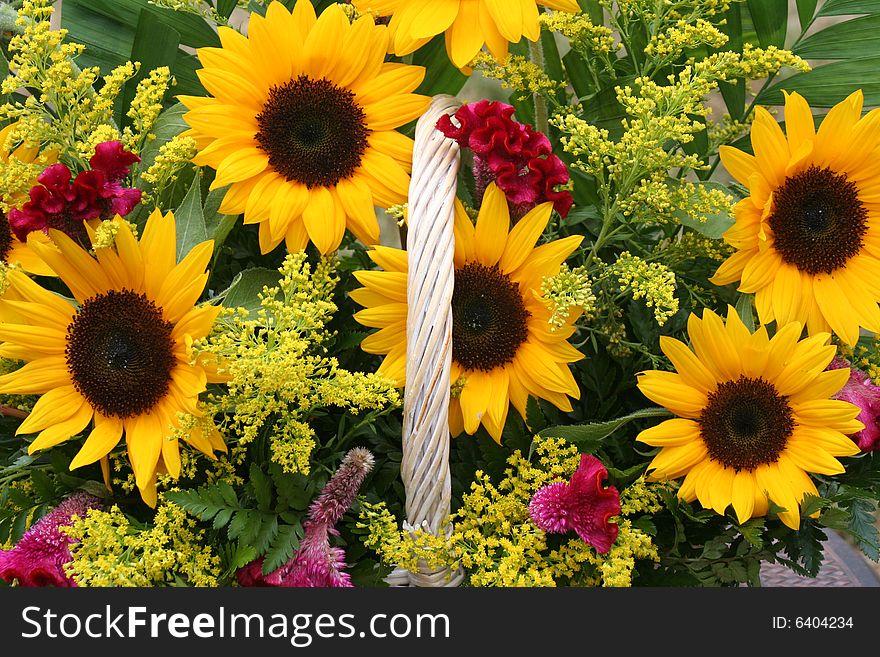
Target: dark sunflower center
{"type": "Point", "coordinates": [818, 220]}
{"type": "Point", "coordinates": [120, 353]}
{"type": "Point", "coordinates": [5, 238]}
{"type": "Point", "coordinates": [313, 131]}
{"type": "Point", "coordinates": [746, 423]}
{"type": "Point", "coordinates": [488, 318]}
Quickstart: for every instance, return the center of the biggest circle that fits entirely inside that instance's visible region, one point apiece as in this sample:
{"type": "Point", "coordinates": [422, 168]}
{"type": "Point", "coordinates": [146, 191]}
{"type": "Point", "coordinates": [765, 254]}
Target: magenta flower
{"type": "Point", "coordinates": [38, 558]}
{"type": "Point", "coordinates": [316, 563]}
{"type": "Point", "coordinates": [517, 158]}
{"type": "Point", "coordinates": [59, 203]}
{"type": "Point", "coordinates": [583, 505]}
{"type": "Point", "coordinates": [862, 392]}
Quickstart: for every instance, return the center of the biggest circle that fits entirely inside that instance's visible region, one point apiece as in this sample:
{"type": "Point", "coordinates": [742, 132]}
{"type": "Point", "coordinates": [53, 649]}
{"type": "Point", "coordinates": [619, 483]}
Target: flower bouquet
{"type": "Point", "coordinates": [447, 293]}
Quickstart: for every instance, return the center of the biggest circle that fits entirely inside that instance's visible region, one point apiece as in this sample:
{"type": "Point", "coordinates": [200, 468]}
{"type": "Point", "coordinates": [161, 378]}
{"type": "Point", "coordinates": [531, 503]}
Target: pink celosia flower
{"type": "Point", "coordinates": [582, 505]}
{"type": "Point", "coordinates": [513, 155]}
{"type": "Point", "coordinates": [57, 202]}
{"type": "Point", "coordinates": [316, 563]}
{"type": "Point", "coordinates": [38, 558]}
{"type": "Point", "coordinates": [862, 392]}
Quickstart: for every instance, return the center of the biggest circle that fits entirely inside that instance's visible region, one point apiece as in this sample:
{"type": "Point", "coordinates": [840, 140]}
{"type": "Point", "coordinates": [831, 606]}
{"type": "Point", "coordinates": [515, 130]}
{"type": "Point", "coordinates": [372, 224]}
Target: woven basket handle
{"type": "Point", "coordinates": [430, 245]}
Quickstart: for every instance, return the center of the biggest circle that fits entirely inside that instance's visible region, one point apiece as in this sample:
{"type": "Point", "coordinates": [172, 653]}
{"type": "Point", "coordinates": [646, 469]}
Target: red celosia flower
{"type": "Point", "coordinates": [513, 155]}
{"type": "Point", "coordinates": [94, 194]}
{"type": "Point", "coordinates": [582, 505]}
{"type": "Point", "coordinates": [316, 563]}
{"type": "Point", "coordinates": [38, 558]}
{"type": "Point", "coordinates": [862, 392]}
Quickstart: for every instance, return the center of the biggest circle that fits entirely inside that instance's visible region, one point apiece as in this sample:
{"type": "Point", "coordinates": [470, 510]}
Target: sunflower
{"type": "Point", "coordinates": [755, 416]}
{"type": "Point", "coordinates": [503, 348]}
{"type": "Point", "coordinates": [121, 356]}
{"type": "Point", "coordinates": [468, 24]}
{"type": "Point", "coordinates": [12, 250]}
{"type": "Point", "coordinates": [302, 125]}
{"type": "Point", "coordinates": [808, 234]}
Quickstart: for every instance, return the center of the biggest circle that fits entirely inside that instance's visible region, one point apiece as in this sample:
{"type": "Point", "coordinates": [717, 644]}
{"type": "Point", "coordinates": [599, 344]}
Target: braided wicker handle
{"type": "Point", "coordinates": [430, 247]}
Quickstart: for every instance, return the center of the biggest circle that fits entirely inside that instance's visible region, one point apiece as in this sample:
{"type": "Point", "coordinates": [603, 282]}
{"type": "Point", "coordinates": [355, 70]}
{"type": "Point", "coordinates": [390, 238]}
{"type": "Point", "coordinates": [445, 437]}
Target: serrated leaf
{"type": "Point", "coordinates": [282, 548]}
{"type": "Point", "coordinates": [535, 418]}
{"type": "Point", "coordinates": [588, 436]}
{"type": "Point", "coordinates": [266, 534]}
{"type": "Point", "coordinates": [811, 504]}
{"type": "Point", "coordinates": [228, 493]}
{"type": "Point", "coordinates": [43, 486]}
{"type": "Point", "coordinates": [222, 518]}
{"type": "Point", "coordinates": [190, 220]}
{"type": "Point", "coordinates": [262, 486]}
{"type": "Point", "coordinates": [863, 528]}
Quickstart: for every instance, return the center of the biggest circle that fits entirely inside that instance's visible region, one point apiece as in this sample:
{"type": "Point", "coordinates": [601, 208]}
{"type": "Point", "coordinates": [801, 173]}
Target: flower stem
{"type": "Point", "coordinates": [536, 52]}
{"type": "Point", "coordinates": [9, 411]}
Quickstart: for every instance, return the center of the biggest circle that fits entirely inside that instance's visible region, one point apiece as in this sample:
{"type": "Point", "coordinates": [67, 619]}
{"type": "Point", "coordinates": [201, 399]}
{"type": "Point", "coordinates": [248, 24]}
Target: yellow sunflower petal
{"type": "Point", "coordinates": [57, 405]}
{"type": "Point", "coordinates": [324, 220]}
{"type": "Point", "coordinates": [64, 430]}
{"type": "Point", "coordinates": [670, 391]}
{"type": "Point", "coordinates": [671, 433]}
{"type": "Point", "coordinates": [475, 396]}
{"type": "Point", "coordinates": [743, 495]}
{"type": "Point", "coordinates": [101, 441]}
{"type": "Point", "coordinates": [493, 222]}
{"type": "Point", "coordinates": [37, 377]}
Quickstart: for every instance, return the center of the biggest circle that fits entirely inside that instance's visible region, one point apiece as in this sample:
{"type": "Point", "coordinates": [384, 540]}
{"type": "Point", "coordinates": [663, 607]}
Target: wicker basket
{"type": "Point", "coordinates": [430, 246]}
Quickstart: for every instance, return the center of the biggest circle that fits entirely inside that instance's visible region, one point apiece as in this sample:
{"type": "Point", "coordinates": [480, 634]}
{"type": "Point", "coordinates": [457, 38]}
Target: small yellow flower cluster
{"type": "Point", "coordinates": [692, 245]}
{"type": "Point", "coordinates": [397, 212]}
{"type": "Point", "coordinates": [727, 130]}
{"type": "Point", "coordinates": [145, 108]}
{"type": "Point", "coordinates": [752, 63]}
{"type": "Point", "coordinates": [495, 541]}
{"type": "Point", "coordinates": [866, 357]}
{"type": "Point", "coordinates": [570, 289]}
{"type": "Point", "coordinates": [114, 551]}
{"type": "Point", "coordinates": [583, 35]}
{"type": "Point", "coordinates": [517, 73]}
{"type": "Point", "coordinates": [106, 231]}
{"type": "Point", "coordinates": [684, 35]}
{"type": "Point", "coordinates": [278, 368]}
{"type": "Point", "coordinates": [654, 282]}
{"type": "Point", "coordinates": [199, 8]}
{"type": "Point", "coordinates": [173, 156]}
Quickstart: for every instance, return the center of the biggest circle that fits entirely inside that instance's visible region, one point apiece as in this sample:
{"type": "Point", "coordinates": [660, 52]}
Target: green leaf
{"type": "Point", "coordinates": [169, 124]}
{"type": "Point", "coordinates": [812, 503]}
{"type": "Point", "coordinates": [848, 40]}
{"type": "Point", "coordinates": [828, 85]}
{"type": "Point", "coordinates": [734, 93]}
{"type": "Point", "coordinates": [266, 534]}
{"type": "Point", "coordinates": [806, 9]}
{"type": "Point", "coordinates": [535, 418]}
{"type": "Point", "coordinates": [588, 436]}
{"type": "Point", "coordinates": [282, 548]}
{"type": "Point", "coordinates": [715, 224]}
{"type": "Point", "coordinates": [441, 76]}
{"type": "Point", "coordinates": [744, 308]}
{"type": "Point", "coordinates": [190, 220]}
{"type": "Point", "coordinates": [226, 7]}
{"type": "Point", "coordinates": [262, 486]}
{"type": "Point", "coordinates": [247, 285]}
{"type": "Point", "coordinates": [863, 528]}
{"type": "Point", "coordinates": [44, 487]}
{"type": "Point", "coordinates": [155, 44]}
{"type": "Point", "coordinates": [848, 7]}
{"type": "Point", "coordinates": [218, 225]}
{"type": "Point", "coordinates": [770, 18]}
